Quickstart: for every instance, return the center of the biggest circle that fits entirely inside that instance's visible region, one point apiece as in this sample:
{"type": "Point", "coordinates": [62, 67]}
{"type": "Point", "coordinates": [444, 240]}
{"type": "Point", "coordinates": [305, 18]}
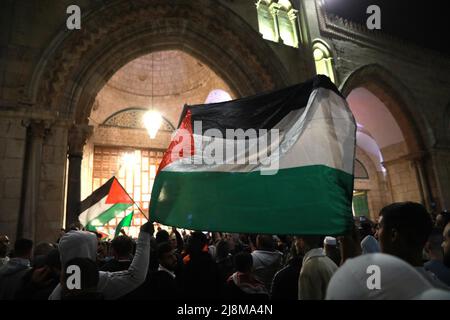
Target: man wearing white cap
{"type": "Point", "coordinates": [331, 249]}
{"type": "Point", "coordinates": [316, 270]}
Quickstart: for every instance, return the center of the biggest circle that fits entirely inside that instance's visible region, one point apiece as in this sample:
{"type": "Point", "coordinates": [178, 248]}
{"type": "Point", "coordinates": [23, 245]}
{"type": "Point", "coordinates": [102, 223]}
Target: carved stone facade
{"type": "Point", "coordinates": [55, 75]}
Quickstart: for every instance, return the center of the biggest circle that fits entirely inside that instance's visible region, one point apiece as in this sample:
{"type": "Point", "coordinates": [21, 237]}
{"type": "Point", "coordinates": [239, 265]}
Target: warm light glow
{"type": "Point", "coordinates": [152, 122]}
{"type": "Point", "coordinates": [323, 60]}
{"type": "Point", "coordinates": [129, 159]}
{"type": "Point", "coordinates": [96, 223]}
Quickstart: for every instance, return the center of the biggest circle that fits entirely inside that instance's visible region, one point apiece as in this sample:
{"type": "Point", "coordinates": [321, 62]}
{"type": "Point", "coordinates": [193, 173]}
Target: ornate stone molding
{"type": "Point", "coordinates": [413, 157]}
{"type": "Point", "coordinates": [180, 23]}
{"type": "Point", "coordinates": [337, 27]}
{"type": "Point", "coordinates": [132, 118]}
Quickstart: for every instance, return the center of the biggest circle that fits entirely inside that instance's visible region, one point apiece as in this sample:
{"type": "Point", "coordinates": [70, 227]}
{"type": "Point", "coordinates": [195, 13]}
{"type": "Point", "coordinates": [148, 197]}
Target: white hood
{"type": "Point", "coordinates": [77, 244]}
{"type": "Point", "coordinates": [263, 258]}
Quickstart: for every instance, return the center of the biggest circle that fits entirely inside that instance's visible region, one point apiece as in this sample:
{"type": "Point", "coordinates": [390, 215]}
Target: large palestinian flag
{"type": "Point", "coordinates": [300, 183]}
{"type": "Point", "coordinates": [104, 204]}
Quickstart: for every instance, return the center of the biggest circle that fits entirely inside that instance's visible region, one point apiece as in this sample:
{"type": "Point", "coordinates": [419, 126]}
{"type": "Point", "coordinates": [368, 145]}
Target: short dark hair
{"type": "Point", "coordinates": [22, 247]}
{"type": "Point", "coordinates": [122, 245]}
{"type": "Point", "coordinates": [410, 219]}
{"type": "Point", "coordinates": [162, 249]}
{"type": "Point", "coordinates": [435, 239]}
{"type": "Point", "coordinates": [162, 236]}
{"type": "Point", "coordinates": [222, 248]}
{"type": "Point", "coordinates": [265, 242]}
{"type": "Point", "coordinates": [445, 217]}
{"type": "Point", "coordinates": [196, 242]}
{"type": "Point", "coordinates": [3, 249]}
{"type": "Point", "coordinates": [243, 261]}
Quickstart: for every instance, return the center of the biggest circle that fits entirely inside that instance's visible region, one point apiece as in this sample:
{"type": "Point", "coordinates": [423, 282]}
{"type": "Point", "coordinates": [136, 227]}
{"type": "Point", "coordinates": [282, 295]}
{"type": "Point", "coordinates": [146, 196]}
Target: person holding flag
{"type": "Point", "coordinates": [112, 285]}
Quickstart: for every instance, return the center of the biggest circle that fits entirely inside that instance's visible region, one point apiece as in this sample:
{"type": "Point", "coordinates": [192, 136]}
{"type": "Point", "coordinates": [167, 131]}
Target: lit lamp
{"type": "Point", "coordinates": [152, 122]}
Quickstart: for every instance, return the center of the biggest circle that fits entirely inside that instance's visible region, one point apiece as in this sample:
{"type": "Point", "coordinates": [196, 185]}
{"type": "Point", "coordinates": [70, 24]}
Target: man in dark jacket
{"type": "Point", "coordinates": [243, 284]}
{"type": "Point", "coordinates": [200, 276]}
{"type": "Point", "coordinates": [12, 273]}
{"type": "Point", "coordinates": [122, 247]}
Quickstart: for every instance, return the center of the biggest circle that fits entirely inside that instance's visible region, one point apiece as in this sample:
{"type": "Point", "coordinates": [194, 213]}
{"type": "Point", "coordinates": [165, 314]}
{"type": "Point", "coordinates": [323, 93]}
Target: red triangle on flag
{"type": "Point", "coordinates": [184, 143]}
{"type": "Point", "coordinates": [117, 194]}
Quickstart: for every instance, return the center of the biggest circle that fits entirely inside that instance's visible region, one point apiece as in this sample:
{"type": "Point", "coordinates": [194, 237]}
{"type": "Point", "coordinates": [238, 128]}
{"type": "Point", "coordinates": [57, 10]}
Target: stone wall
{"type": "Point", "coordinates": [12, 151]}
{"type": "Point", "coordinates": [51, 208]}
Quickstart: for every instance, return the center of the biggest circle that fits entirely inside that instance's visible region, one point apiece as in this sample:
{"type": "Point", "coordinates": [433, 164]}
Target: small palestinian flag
{"type": "Point", "coordinates": [125, 222]}
{"type": "Point", "coordinates": [301, 182]}
{"type": "Point", "coordinates": [104, 204]}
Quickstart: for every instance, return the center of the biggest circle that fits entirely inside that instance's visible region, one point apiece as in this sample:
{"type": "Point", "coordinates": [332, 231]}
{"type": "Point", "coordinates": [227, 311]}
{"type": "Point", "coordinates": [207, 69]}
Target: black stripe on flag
{"type": "Point", "coordinates": [261, 111]}
{"type": "Point", "coordinates": [96, 196]}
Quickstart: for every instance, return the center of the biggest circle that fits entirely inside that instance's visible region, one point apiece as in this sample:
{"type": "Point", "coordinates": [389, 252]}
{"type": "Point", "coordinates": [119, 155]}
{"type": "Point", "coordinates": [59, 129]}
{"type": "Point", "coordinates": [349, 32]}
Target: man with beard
{"type": "Point", "coordinates": [433, 249]}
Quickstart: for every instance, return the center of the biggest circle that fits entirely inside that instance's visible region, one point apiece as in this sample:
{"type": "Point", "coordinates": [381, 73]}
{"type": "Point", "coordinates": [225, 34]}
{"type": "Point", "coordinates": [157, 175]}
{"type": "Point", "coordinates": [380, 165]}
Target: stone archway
{"type": "Point", "coordinates": [409, 168]}
{"type": "Point", "coordinates": [113, 35]}
{"type": "Point", "coordinates": [397, 99]}
{"type": "Point", "coordinates": [77, 64]}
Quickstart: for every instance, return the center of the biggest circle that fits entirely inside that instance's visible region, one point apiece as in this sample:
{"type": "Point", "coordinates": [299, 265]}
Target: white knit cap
{"type": "Point", "coordinates": [330, 241]}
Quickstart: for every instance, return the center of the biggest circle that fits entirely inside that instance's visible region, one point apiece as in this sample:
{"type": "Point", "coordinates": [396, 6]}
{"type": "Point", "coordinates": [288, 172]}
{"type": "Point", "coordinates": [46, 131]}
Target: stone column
{"type": "Point", "coordinates": [292, 14]}
{"type": "Point", "coordinates": [36, 131]}
{"type": "Point", "coordinates": [441, 167]}
{"type": "Point", "coordinates": [78, 136]}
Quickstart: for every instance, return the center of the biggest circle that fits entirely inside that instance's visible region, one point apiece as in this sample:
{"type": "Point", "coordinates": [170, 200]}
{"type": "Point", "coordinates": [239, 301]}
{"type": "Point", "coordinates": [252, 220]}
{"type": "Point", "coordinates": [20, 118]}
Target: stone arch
{"type": "Point", "coordinates": [397, 98]}
{"type": "Point", "coordinates": [323, 58]}
{"type": "Point", "coordinates": [407, 177]}
{"type": "Point", "coordinates": [77, 65]}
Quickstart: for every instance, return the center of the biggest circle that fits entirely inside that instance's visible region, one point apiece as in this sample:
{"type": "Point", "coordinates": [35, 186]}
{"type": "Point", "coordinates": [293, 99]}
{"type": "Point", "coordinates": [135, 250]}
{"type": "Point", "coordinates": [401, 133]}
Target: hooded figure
{"type": "Point", "coordinates": [112, 285]}
{"type": "Point", "coordinates": [376, 276]}
{"type": "Point", "coordinates": [78, 244]}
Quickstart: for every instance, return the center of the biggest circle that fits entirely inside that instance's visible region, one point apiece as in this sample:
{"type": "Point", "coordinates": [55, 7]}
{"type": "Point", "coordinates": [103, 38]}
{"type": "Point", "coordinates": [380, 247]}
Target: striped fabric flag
{"type": "Point", "coordinates": [104, 204]}
{"type": "Point", "coordinates": [125, 222]}
{"type": "Point", "coordinates": [297, 177]}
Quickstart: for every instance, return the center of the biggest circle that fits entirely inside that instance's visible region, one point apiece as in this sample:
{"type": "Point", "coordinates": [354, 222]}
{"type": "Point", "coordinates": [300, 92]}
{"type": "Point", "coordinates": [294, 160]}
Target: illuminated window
{"type": "Point", "coordinates": [278, 20]}
{"type": "Point", "coordinates": [323, 60]}
{"type": "Point", "coordinates": [287, 23]}
{"type": "Point", "coordinates": [360, 205]}
{"type": "Point", "coordinates": [136, 170]}
{"type": "Point", "coordinates": [218, 95]}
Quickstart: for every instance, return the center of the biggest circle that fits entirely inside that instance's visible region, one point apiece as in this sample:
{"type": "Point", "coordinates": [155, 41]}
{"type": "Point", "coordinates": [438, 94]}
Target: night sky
{"type": "Point", "coordinates": [426, 25]}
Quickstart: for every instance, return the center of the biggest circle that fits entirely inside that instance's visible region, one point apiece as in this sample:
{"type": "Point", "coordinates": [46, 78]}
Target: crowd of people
{"type": "Point", "coordinates": [403, 255]}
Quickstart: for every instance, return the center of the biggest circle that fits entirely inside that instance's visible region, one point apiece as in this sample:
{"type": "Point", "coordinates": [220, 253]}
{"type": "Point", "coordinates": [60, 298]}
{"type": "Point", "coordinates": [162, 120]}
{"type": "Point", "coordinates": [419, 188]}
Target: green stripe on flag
{"type": "Point", "coordinates": [305, 200]}
{"type": "Point", "coordinates": [125, 222]}
{"type": "Point", "coordinates": [107, 215]}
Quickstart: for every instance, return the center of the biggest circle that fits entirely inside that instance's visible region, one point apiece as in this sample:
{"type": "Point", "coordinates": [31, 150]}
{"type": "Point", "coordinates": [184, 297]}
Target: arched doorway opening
{"type": "Point", "coordinates": [77, 65]}
{"type": "Point", "coordinates": [120, 146]}
{"type": "Point", "coordinates": [389, 142]}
